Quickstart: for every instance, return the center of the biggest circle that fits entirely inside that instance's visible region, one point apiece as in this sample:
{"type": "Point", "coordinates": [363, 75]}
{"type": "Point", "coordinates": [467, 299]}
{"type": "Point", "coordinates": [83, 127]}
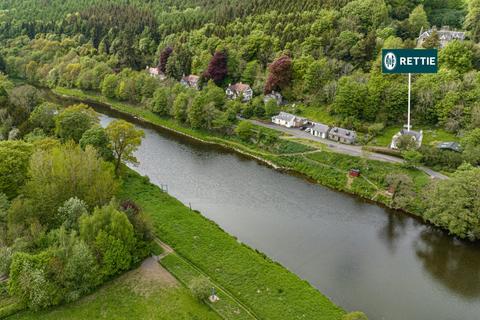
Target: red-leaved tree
{"type": "Point", "coordinates": [217, 68]}
{"type": "Point", "coordinates": [280, 74]}
{"type": "Point", "coordinates": [164, 55]}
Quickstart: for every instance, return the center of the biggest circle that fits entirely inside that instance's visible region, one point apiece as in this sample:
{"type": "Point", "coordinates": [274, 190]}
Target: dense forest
{"type": "Point", "coordinates": [322, 56]}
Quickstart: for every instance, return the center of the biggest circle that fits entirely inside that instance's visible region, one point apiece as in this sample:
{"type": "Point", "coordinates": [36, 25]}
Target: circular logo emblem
{"type": "Point", "coordinates": [390, 61]}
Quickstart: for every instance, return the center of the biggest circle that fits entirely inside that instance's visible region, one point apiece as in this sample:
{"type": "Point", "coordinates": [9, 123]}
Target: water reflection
{"type": "Point", "coordinates": [393, 230]}
{"type": "Point", "coordinates": [451, 262]}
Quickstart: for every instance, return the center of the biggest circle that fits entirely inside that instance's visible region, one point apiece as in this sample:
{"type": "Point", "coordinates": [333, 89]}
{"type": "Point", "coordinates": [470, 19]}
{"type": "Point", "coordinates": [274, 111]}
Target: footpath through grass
{"type": "Point", "coordinates": [265, 287]}
{"type": "Point", "coordinates": [148, 292]}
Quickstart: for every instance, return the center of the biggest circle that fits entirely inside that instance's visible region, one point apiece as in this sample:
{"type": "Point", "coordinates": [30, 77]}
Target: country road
{"type": "Point", "coordinates": [352, 150]}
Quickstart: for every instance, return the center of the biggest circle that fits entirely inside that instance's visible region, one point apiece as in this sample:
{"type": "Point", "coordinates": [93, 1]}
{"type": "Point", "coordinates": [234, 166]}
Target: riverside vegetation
{"type": "Point", "coordinates": [323, 57]}
{"type": "Point", "coordinates": [72, 221]}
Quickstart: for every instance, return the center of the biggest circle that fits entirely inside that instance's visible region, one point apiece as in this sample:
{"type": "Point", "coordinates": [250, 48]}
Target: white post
{"type": "Point", "coordinates": [409, 95]}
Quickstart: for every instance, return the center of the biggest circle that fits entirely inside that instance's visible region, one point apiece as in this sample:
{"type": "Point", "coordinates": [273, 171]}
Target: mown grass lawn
{"type": "Point", "coordinates": [430, 136]}
{"type": "Point", "coordinates": [268, 289]}
{"type": "Point", "coordinates": [138, 294]}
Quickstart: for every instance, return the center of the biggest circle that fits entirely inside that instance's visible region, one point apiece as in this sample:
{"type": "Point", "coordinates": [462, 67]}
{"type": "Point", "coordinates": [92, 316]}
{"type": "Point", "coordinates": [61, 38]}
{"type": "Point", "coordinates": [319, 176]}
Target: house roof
{"type": "Point", "coordinates": [154, 71]}
{"type": "Point", "coordinates": [343, 133]}
{"type": "Point", "coordinates": [191, 78]}
{"type": "Point", "coordinates": [417, 134]}
{"type": "Point", "coordinates": [288, 116]}
{"type": "Point", "coordinates": [450, 146]}
{"type": "Point", "coordinates": [444, 34]}
{"type": "Point", "coordinates": [320, 127]}
{"type": "Point", "coordinates": [239, 87]}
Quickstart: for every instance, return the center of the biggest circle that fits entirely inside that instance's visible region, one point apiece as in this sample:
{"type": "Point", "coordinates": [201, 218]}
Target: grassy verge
{"type": "Point", "coordinates": [185, 272]}
{"type": "Point", "coordinates": [265, 287]}
{"type": "Point", "coordinates": [144, 293]}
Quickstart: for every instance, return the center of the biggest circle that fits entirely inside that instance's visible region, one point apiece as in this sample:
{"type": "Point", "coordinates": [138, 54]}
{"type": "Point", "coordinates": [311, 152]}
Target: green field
{"type": "Point", "coordinates": [148, 292]}
{"type": "Point", "coordinates": [265, 287]}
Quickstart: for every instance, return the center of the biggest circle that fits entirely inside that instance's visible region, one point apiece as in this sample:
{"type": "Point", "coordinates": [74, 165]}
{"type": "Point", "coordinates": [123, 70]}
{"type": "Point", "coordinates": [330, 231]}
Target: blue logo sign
{"type": "Point", "coordinates": [409, 60]}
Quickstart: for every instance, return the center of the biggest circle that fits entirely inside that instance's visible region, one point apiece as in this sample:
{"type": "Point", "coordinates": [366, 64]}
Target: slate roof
{"type": "Point", "coordinates": [287, 116]}
{"type": "Point", "coordinates": [418, 135]}
{"type": "Point", "coordinates": [320, 127]}
{"type": "Point", "coordinates": [454, 146]}
{"type": "Point", "coordinates": [343, 133]}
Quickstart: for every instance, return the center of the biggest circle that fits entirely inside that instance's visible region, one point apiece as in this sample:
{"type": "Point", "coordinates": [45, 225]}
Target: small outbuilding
{"type": "Point", "coordinates": [451, 146]}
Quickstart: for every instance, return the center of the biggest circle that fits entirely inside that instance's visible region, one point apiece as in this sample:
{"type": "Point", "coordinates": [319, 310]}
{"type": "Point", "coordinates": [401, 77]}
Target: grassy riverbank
{"type": "Point", "coordinates": [327, 168]}
{"type": "Point", "coordinates": [148, 292]}
{"type": "Point", "coordinates": [265, 287]}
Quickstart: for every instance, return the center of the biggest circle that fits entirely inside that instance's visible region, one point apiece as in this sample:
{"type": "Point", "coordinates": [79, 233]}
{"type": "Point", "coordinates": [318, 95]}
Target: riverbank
{"type": "Point", "coordinates": [264, 286]}
{"type": "Point", "coordinates": [327, 168]}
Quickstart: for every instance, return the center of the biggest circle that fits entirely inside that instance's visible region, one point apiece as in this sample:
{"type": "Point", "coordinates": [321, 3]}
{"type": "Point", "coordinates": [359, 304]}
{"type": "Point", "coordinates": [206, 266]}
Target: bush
{"type": "Point", "coordinates": [71, 210]}
{"type": "Point", "coordinates": [244, 131]}
{"type": "Point", "coordinates": [5, 260]}
{"type": "Point", "coordinates": [201, 288]}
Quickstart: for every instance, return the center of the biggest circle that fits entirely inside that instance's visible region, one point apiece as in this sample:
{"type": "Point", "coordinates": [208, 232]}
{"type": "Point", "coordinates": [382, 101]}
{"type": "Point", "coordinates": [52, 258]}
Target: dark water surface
{"type": "Point", "coordinates": [362, 256]}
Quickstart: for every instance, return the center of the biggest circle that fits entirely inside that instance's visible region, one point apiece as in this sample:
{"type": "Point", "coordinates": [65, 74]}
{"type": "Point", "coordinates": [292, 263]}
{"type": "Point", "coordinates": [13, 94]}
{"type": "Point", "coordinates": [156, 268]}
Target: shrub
{"type": "Point", "coordinates": [71, 210]}
{"type": "Point", "coordinates": [201, 288]}
{"type": "Point", "coordinates": [244, 131]}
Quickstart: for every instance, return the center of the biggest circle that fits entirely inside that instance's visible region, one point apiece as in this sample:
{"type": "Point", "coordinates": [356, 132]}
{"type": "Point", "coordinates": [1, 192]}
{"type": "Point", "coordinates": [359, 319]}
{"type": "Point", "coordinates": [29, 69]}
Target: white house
{"type": "Point", "coordinates": [289, 120]}
{"type": "Point", "coordinates": [156, 73]}
{"type": "Point", "coordinates": [240, 90]}
{"type": "Point", "coordinates": [319, 130]}
{"type": "Point", "coordinates": [273, 96]}
{"type": "Point", "coordinates": [417, 137]}
{"type": "Point", "coordinates": [191, 81]}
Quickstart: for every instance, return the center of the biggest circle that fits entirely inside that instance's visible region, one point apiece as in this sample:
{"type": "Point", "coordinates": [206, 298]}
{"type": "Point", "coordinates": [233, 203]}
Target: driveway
{"type": "Point", "coordinates": [351, 150]}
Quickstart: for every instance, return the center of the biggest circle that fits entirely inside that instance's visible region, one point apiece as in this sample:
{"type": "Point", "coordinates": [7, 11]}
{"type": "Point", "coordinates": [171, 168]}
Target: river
{"type": "Point", "coordinates": [363, 256]}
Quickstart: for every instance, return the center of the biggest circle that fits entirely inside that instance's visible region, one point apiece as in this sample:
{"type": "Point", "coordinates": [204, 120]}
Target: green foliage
{"type": "Point", "coordinates": [97, 138]}
{"type": "Point", "coordinates": [74, 121]}
{"type": "Point", "coordinates": [43, 117]}
{"type": "Point", "coordinates": [161, 102]}
{"type": "Point", "coordinates": [244, 130]}
{"type": "Point", "coordinates": [351, 97]}
{"type": "Point", "coordinates": [412, 158]}
{"type": "Point", "coordinates": [125, 140]}
{"type": "Point", "coordinates": [458, 56]}
{"type": "Point", "coordinates": [61, 173]}
{"type": "Point", "coordinates": [201, 288]}
{"type": "Point", "coordinates": [471, 147]}
{"type": "Point", "coordinates": [418, 20]}
{"type": "Point", "coordinates": [14, 159]}
{"type": "Point", "coordinates": [112, 236]}
{"type": "Point", "coordinates": [30, 281]}
{"type": "Point", "coordinates": [71, 211]}
{"type": "Point", "coordinates": [453, 204]}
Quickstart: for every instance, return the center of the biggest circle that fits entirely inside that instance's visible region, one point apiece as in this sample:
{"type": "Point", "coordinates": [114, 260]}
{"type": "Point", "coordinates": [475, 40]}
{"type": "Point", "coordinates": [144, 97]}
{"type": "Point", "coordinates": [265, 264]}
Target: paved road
{"type": "Point", "coordinates": [355, 151]}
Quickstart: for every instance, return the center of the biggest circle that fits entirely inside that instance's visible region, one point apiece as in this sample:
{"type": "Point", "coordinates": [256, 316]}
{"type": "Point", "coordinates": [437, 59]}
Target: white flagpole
{"type": "Point", "coordinates": [409, 95]}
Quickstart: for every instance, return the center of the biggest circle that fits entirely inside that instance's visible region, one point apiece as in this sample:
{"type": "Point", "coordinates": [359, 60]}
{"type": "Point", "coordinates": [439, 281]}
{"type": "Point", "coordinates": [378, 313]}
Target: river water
{"type": "Point", "coordinates": [362, 256]}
